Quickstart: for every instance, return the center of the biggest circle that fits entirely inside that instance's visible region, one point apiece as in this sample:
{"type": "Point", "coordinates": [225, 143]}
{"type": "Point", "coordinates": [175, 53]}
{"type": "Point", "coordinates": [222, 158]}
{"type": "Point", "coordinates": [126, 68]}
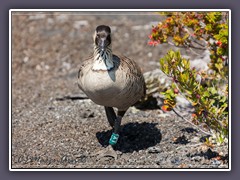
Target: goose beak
{"type": "Point", "coordinates": [102, 44]}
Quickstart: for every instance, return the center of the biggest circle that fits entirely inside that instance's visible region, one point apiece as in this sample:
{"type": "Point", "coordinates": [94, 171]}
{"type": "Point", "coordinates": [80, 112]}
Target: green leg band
{"type": "Point", "coordinates": [114, 138]}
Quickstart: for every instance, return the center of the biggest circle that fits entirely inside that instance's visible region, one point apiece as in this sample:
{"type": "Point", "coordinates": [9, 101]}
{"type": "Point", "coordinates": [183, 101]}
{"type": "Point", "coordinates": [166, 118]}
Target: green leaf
{"type": "Point", "coordinates": [208, 27]}
{"type": "Point", "coordinates": [223, 99]}
{"type": "Point", "coordinates": [220, 51]}
{"type": "Point", "coordinates": [211, 102]}
{"type": "Point", "coordinates": [188, 92]}
{"type": "Point", "coordinates": [206, 94]}
{"type": "Point", "coordinates": [219, 66]}
{"type": "Point", "coordinates": [212, 90]}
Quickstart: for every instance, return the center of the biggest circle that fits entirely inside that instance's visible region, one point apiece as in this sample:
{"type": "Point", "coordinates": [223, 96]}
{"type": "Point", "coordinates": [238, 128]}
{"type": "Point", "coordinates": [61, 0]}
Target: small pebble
{"type": "Point", "coordinates": [154, 150]}
{"type": "Point", "coordinates": [216, 162]}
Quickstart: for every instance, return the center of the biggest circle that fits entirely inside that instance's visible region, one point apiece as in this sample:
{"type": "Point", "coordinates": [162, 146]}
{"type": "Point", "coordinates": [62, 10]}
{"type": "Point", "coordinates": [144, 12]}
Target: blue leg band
{"type": "Point", "coordinates": [114, 138]}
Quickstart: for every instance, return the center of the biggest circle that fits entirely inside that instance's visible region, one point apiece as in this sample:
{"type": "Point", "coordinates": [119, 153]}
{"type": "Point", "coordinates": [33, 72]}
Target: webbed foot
{"type": "Point", "coordinates": [107, 152]}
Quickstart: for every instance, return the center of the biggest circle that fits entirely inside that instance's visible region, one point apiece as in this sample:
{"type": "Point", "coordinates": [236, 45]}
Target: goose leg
{"type": "Point", "coordinates": [109, 151]}
{"type": "Point", "coordinates": [111, 116]}
{"type": "Point", "coordinates": [115, 135]}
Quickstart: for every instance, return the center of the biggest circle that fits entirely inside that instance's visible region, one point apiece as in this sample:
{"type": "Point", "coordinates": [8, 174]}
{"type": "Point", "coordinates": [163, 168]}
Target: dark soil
{"type": "Point", "coordinates": [54, 125]}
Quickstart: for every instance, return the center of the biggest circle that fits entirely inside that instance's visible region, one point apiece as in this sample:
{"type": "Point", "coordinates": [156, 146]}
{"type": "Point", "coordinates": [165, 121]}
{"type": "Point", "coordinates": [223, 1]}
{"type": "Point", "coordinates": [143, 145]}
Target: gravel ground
{"type": "Point", "coordinates": [54, 125]}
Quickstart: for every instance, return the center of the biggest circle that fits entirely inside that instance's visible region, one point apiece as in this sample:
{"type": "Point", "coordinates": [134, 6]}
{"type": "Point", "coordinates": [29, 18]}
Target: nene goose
{"type": "Point", "coordinates": [111, 81]}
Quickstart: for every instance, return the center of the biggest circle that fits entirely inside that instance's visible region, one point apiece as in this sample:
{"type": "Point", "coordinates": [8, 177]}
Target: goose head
{"type": "Point", "coordinates": [102, 37]}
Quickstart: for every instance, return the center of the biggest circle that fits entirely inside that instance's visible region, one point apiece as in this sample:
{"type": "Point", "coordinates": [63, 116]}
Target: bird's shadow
{"type": "Point", "coordinates": [133, 137]}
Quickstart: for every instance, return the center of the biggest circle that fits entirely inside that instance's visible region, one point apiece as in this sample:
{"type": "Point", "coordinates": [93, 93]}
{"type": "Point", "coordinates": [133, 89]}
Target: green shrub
{"type": "Point", "coordinates": [209, 95]}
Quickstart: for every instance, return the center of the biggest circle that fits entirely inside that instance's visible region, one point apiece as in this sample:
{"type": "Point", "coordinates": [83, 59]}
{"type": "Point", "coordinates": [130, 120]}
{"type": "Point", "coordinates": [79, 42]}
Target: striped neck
{"type": "Point", "coordinates": [102, 59]}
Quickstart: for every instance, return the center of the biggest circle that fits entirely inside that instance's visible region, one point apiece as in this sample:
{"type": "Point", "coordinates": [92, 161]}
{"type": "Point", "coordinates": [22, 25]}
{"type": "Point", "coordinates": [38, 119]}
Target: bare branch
{"type": "Point", "coordinates": [191, 123]}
